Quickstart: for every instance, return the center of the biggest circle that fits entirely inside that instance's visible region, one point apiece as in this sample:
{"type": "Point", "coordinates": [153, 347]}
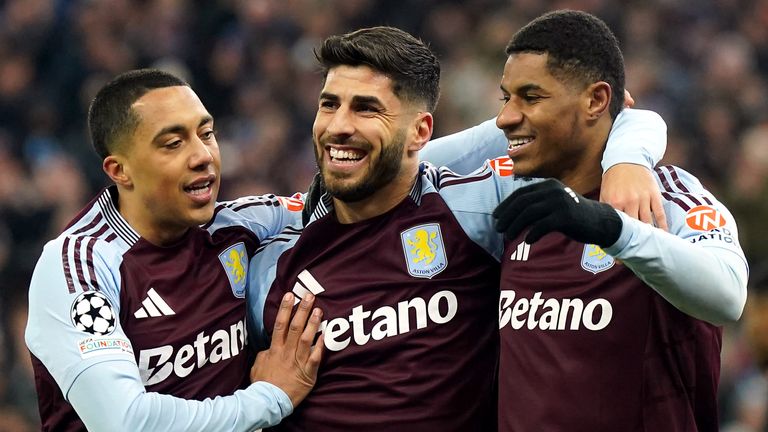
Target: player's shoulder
{"type": "Point", "coordinates": [443, 178]}
{"type": "Point", "coordinates": [680, 187]}
{"type": "Point", "coordinates": [255, 210]}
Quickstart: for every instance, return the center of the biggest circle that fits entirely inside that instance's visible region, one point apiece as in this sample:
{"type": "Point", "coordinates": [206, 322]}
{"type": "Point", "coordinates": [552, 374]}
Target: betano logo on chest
{"type": "Point", "coordinates": [389, 321]}
{"type": "Point", "coordinates": [554, 313]}
{"type": "Point", "coordinates": [223, 344]}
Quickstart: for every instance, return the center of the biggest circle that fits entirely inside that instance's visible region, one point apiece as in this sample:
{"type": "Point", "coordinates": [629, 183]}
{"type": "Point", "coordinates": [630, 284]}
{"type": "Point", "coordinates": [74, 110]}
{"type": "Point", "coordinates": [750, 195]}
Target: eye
{"type": "Point", "coordinates": [531, 97]}
{"type": "Point", "coordinates": [504, 98]}
{"type": "Point", "coordinates": [208, 135]}
{"type": "Point", "coordinates": [328, 104]}
{"type": "Point", "coordinates": [173, 144]}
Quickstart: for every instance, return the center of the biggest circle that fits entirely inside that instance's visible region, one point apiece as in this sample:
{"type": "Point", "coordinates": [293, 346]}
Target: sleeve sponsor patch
{"type": "Point", "coordinates": [92, 313]}
{"type": "Point", "coordinates": [97, 346]}
{"type": "Point", "coordinates": [502, 166]}
{"type": "Point", "coordinates": [704, 218]}
{"type": "Point", "coordinates": [291, 203]}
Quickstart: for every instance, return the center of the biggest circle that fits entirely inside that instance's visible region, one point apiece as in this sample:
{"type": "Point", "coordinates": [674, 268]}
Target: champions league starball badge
{"type": "Point", "coordinates": [92, 313]}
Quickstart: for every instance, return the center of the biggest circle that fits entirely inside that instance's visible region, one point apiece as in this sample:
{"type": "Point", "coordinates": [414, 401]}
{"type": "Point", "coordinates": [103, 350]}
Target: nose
{"type": "Point", "coordinates": [202, 154]}
{"type": "Point", "coordinates": [510, 116]}
{"type": "Point", "coordinates": [340, 124]}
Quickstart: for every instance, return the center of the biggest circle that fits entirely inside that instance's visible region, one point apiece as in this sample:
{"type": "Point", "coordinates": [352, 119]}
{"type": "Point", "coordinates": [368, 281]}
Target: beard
{"type": "Point", "coordinates": [380, 172]}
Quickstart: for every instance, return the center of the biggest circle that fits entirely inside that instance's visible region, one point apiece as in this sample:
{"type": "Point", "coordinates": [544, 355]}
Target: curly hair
{"type": "Point", "coordinates": [580, 48]}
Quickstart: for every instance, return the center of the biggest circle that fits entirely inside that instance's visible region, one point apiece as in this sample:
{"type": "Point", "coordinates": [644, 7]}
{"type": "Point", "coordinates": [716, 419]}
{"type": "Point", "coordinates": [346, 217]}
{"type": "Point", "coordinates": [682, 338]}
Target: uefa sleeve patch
{"type": "Point", "coordinates": [92, 313]}
{"type": "Point", "coordinates": [502, 166]}
{"type": "Point", "coordinates": [293, 203]}
{"type": "Point", "coordinates": [98, 346]}
{"type": "Point", "coordinates": [704, 218]}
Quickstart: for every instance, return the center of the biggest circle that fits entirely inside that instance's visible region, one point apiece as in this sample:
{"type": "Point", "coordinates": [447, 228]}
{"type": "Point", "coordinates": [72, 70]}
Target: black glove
{"type": "Point", "coordinates": [315, 193]}
{"type": "Point", "coordinates": [551, 206]}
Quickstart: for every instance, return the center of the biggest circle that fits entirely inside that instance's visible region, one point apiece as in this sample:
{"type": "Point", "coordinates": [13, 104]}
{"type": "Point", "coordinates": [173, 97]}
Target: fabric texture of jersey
{"type": "Point", "coordinates": [409, 300]}
{"type": "Point", "coordinates": [178, 312]}
{"type": "Point", "coordinates": [587, 346]}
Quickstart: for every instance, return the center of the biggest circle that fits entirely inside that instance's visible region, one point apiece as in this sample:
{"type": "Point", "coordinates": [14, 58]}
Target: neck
{"type": "Point", "coordinates": [136, 216]}
{"type": "Point", "coordinates": [586, 173]}
{"type": "Point", "coordinates": [382, 201]}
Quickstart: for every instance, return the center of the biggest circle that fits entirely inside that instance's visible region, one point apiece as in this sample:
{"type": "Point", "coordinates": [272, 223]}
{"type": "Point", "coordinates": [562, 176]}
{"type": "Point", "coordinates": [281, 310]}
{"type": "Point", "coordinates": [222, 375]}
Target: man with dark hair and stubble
{"type": "Point", "coordinates": [402, 257]}
{"type": "Point", "coordinates": [137, 315]}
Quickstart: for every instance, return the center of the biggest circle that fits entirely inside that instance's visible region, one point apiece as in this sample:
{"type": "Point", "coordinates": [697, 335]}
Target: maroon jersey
{"type": "Point", "coordinates": [587, 346]}
{"type": "Point", "coordinates": [180, 310]}
{"type": "Point", "coordinates": [409, 347]}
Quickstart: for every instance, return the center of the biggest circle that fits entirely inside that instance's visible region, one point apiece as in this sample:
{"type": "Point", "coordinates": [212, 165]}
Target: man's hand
{"type": "Point", "coordinates": [551, 206]}
{"type": "Point", "coordinates": [633, 190]}
{"type": "Point", "coordinates": [291, 362]}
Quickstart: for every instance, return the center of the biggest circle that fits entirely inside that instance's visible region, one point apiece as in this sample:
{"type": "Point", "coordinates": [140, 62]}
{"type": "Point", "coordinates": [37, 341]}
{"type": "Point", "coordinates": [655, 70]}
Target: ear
{"type": "Point", "coordinates": [115, 167]}
{"type": "Point", "coordinates": [423, 131]}
{"type": "Point", "coordinates": [599, 99]}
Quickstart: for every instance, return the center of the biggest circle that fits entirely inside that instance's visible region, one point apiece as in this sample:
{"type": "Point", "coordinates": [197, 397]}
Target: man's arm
{"type": "Point", "coordinates": [637, 137]}
{"type": "Point", "coordinates": [698, 267]}
{"type": "Point", "coordinates": [635, 145]}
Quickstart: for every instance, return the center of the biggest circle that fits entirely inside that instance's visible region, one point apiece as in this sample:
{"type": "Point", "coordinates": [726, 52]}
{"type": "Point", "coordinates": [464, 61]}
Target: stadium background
{"type": "Point", "coordinates": [702, 64]}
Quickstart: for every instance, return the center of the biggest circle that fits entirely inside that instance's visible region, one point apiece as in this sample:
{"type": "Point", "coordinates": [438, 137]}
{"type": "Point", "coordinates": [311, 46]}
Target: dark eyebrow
{"type": "Point", "coordinates": [528, 87]}
{"type": "Point", "coordinates": [356, 100]}
{"type": "Point", "coordinates": [328, 96]}
{"type": "Point", "coordinates": [366, 100]}
{"type": "Point", "coordinates": [178, 129]}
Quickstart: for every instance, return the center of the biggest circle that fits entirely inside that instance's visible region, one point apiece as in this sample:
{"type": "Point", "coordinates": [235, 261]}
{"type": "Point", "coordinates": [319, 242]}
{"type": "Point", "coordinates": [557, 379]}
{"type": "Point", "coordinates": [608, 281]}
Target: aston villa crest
{"type": "Point", "coordinates": [424, 250]}
{"type": "Point", "coordinates": [595, 260]}
{"type": "Point", "coordinates": [235, 262]}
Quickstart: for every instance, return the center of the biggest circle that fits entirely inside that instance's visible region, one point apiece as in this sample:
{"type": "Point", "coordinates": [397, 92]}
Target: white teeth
{"type": "Point", "coordinates": [514, 142]}
{"type": "Point", "coordinates": [201, 189]}
{"type": "Point", "coordinates": [344, 155]}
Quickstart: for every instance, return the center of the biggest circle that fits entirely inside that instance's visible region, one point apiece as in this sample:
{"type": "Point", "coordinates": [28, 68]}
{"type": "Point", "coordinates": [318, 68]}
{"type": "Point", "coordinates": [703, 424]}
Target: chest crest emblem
{"type": "Point", "coordinates": [595, 260]}
{"type": "Point", "coordinates": [235, 262]}
{"type": "Point", "coordinates": [424, 250]}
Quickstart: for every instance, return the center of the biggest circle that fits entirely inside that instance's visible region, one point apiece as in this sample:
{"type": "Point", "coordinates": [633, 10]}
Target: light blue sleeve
{"type": "Point", "coordinates": [702, 272]}
{"type": "Point", "coordinates": [637, 137]}
{"type": "Point", "coordinates": [264, 215]}
{"type": "Point", "coordinates": [466, 151]}
{"type": "Point", "coordinates": [51, 334]}
{"type": "Point", "coordinates": [109, 397]}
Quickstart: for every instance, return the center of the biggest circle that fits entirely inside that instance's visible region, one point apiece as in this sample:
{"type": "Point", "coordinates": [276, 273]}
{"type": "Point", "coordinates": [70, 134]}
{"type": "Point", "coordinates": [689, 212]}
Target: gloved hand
{"type": "Point", "coordinates": [312, 199]}
{"type": "Point", "coordinates": [551, 206]}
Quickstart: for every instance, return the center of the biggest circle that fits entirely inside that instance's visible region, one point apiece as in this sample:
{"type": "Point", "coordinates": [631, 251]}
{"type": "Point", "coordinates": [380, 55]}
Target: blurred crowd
{"type": "Point", "coordinates": [702, 64]}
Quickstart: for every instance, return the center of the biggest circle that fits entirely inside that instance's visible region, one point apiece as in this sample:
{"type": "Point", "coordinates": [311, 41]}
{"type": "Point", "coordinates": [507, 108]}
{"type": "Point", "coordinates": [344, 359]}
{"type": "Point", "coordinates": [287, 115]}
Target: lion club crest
{"type": "Point", "coordinates": [424, 250]}
{"type": "Point", "coordinates": [595, 260]}
{"type": "Point", "coordinates": [235, 262]}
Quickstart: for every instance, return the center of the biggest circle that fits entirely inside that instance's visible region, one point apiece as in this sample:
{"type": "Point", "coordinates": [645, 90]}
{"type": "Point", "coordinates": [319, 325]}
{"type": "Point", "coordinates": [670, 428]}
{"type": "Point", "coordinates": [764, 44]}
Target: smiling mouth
{"type": "Point", "coordinates": [517, 142]}
{"type": "Point", "coordinates": [199, 189]}
{"type": "Point", "coordinates": [348, 156]}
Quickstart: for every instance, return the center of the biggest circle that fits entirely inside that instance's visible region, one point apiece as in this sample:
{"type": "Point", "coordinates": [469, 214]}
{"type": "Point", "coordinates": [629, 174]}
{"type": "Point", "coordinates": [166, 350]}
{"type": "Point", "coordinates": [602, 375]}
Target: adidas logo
{"type": "Point", "coordinates": [306, 283]}
{"type": "Point", "coordinates": [572, 193]}
{"type": "Point", "coordinates": [521, 253]}
{"type": "Point", "coordinates": [153, 306]}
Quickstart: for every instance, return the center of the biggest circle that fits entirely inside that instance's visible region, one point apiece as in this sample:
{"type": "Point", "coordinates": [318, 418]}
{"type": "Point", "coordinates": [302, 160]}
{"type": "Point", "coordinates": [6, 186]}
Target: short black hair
{"type": "Point", "coordinates": [581, 48]}
{"type": "Point", "coordinates": [110, 116]}
{"type": "Point", "coordinates": [408, 61]}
